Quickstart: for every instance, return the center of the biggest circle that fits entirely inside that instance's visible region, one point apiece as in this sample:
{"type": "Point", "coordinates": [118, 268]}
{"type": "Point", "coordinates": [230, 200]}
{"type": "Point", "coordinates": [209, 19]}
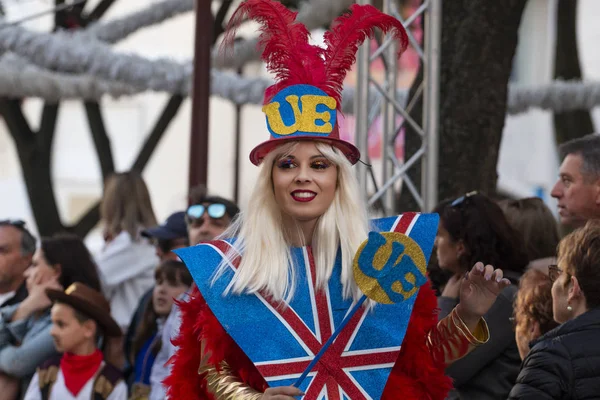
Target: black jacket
{"type": "Point", "coordinates": [564, 363]}
{"type": "Point", "coordinates": [488, 372]}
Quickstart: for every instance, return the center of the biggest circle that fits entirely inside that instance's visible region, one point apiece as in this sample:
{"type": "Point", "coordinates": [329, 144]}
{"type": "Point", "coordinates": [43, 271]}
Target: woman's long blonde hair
{"type": "Point", "coordinates": [126, 205]}
{"type": "Point", "coordinates": [266, 263]}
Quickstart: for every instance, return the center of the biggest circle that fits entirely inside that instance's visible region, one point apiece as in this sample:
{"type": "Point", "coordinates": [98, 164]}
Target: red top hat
{"type": "Point", "coordinates": [303, 103]}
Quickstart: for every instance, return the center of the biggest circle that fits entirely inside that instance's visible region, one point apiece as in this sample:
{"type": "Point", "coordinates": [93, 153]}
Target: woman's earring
{"type": "Point", "coordinates": [569, 308]}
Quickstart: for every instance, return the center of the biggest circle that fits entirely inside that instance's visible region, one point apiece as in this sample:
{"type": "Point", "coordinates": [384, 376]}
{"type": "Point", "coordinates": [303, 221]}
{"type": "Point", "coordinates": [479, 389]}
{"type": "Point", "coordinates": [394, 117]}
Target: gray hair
{"type": "Point", "coordinates": [588, 147]}
{"type": "Point", "coordinates": [27, 243]}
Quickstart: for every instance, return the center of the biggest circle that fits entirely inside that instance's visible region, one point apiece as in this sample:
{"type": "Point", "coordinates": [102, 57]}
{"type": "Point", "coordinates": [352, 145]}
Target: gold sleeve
{"type": "Point", "coordinates": [221, 382]}
{"type": "Point", "coordinates": [452, 340]}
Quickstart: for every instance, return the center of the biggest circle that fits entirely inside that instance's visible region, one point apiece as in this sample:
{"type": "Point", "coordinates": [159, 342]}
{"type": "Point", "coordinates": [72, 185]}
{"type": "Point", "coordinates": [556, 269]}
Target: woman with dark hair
{"type": "Point", "coordinates": [473, 228]}
{"type": "Point", "coordinates": [565, 362]}
{"type": "Point", "coordinates": [538, 228]}
{"type": "Point", "coordinates": [25, 340]}
{"type": "Point", "coordinates": [172, 280]}
{"type": "Point", "coordinates": [70, 256]}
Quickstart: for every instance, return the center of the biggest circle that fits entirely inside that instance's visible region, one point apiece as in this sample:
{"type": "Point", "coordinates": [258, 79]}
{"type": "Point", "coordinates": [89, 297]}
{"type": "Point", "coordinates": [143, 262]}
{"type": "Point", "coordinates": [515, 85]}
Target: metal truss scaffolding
{"type": "Point", "coordinates": [394, 170]}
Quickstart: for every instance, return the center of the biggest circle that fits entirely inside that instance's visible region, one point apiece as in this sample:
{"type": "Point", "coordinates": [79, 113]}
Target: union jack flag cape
{"type": "Point", "coordinates": [281, 340]}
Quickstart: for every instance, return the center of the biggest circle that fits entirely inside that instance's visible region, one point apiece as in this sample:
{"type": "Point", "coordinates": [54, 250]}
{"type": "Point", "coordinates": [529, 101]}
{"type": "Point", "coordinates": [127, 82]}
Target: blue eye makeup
{"type": "Point", "coordinates": [286, 163]}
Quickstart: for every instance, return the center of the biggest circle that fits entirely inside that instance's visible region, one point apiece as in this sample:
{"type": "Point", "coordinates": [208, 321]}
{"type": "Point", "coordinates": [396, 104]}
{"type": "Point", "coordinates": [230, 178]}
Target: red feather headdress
{"type": "Point", "coordinates": [294, 61]}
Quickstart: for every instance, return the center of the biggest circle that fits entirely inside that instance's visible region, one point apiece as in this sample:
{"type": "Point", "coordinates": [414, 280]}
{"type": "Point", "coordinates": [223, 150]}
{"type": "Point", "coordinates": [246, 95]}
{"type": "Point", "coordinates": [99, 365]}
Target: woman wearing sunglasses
{"type": "Point", "coordinates": [306, 214]}
{"type": "Point", "coordinates": [565, 362]}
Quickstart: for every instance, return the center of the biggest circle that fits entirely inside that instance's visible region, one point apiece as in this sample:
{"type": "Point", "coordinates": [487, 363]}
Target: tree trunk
{"type": "Point", "coordinates": [35, 148]}
{"type": "Point", "coordinates": [571, 124]}
{"type": "Point", "coordinates": [479, 39]}
{"type": "Point", "coordinates": [35, 162]}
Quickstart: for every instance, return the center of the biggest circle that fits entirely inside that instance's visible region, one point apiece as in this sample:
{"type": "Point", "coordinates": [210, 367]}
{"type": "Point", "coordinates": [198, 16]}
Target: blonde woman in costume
{"type": "Point", "coordinates": [307, 202]}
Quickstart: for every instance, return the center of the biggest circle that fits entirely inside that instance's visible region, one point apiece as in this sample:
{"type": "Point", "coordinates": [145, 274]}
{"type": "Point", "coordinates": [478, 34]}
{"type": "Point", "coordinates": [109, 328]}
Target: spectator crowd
{"type": "Point", "coordinates": [78, 326]}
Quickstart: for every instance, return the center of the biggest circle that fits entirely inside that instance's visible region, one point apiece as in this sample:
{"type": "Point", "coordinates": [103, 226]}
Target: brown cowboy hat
{"type": "Point", "coordinates": [89, 302]}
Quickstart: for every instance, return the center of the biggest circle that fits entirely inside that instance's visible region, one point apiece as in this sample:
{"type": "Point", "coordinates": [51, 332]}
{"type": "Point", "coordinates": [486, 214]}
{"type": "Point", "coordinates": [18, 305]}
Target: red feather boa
{"type": "Point", "coordinates": [415, 376]}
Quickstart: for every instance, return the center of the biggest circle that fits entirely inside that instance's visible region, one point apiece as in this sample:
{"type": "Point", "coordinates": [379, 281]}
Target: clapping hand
{"type": "Point", "coordinates": [37, 295]}
{"type": "Point", "coordinates": [37, 283]}
{"type": "Point", "coordinates": [478, 292]}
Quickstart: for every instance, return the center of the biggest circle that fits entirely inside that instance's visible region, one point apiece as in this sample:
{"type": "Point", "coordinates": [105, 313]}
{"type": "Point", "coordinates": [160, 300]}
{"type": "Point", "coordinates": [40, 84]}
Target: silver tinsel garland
{"type": "Point", "coordinates": [20, 79]}
{"type": "Point", "coordinates": [79, 64]}
{"type": "Point", "coordinates": [118, 29]}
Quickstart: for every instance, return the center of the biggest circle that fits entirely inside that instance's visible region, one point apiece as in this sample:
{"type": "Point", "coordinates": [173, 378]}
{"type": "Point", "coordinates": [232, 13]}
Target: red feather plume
{"type": "Point", "coordinates": [349, 31]}
{"type": "Point", "coordinates": [416, 375]}
{"type": "Point", "coordinates": [198, 324]}
{"type": "Point", "coordinates": [284, 41]}
{"type": "Point", "coordinates": [184, 381]}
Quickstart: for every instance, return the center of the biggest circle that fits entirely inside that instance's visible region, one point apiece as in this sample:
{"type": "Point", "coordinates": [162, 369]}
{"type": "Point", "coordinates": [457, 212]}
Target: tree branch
{"type": "Point", "coordinates": [157, 132]}
{"type": "Point", "coordinates": [87, 222]}
{"type": "Point", "coordinates": [219, 26]}
{"type": "Point", "coordinates": [17, 123]}
{"type": "Point", "coordinates": [101, 139]}
{"type": "Point", "coordinates": [92, 216]}
{"type": "Point", "coordinates": [35, 149]}
{"type": "Point", "coordinates": [572, 124]}
{"type": "Point", "coordinates": [99, 11]}
{"type": "Point", "coordinates": [59, 16]}
{"type": "Point", "coordinates": [35, 163]}
{"type": "Point", "coordinates": [47, 129]}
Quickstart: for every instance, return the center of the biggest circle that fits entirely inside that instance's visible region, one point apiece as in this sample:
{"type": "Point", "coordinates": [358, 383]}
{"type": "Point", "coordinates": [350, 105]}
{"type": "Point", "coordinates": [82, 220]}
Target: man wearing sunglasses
{"type": "Point", "coordinates": [17, 246]}
{"type": "Point", "coordinates": [209, 218]}
{"type": "Point", "coordinates": [206, 218]}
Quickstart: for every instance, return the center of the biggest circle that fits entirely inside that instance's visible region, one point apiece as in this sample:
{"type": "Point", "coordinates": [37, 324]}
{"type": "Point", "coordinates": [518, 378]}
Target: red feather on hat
{"type": "Point", "coordinates": [294, 61]}
{"type": "Point", "coordinates": [284, 41]}
{"type": "Point", "coordinates": [347, 33]}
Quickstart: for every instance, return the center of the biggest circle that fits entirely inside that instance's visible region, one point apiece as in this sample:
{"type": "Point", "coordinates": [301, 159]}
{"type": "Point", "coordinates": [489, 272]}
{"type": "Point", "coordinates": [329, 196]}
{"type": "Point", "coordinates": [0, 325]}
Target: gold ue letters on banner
{"type": "Point", "coordinates": [305, 120]}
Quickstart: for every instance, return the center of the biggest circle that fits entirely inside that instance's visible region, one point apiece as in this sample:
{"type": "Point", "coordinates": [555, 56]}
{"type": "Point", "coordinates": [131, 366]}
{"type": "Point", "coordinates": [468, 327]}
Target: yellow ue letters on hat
{"type": "Point", "coordinates": [301, 109]}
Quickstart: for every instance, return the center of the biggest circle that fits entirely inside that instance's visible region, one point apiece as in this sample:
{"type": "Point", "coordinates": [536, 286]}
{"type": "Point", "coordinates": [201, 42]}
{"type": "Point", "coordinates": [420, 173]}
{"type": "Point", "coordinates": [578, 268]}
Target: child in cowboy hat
{"type": "Point", "coordinates": [80, 316]}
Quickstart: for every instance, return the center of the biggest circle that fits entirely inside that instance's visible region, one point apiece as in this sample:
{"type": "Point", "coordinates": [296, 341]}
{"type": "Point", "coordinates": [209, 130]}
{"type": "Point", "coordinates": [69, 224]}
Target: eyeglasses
{"type": "Point", "coordinates": [554, 272]}
{"type": "Point", "coordinates": [461, 199]}
{"type": "Point", "coordinates": [215, 211]}
{"type": "Point", "coordinates": [17, 223]}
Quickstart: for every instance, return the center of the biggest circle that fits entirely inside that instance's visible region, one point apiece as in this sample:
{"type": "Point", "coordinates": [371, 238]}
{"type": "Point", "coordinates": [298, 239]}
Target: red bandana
{"type": "Point", "coordinates": [78, 370]}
